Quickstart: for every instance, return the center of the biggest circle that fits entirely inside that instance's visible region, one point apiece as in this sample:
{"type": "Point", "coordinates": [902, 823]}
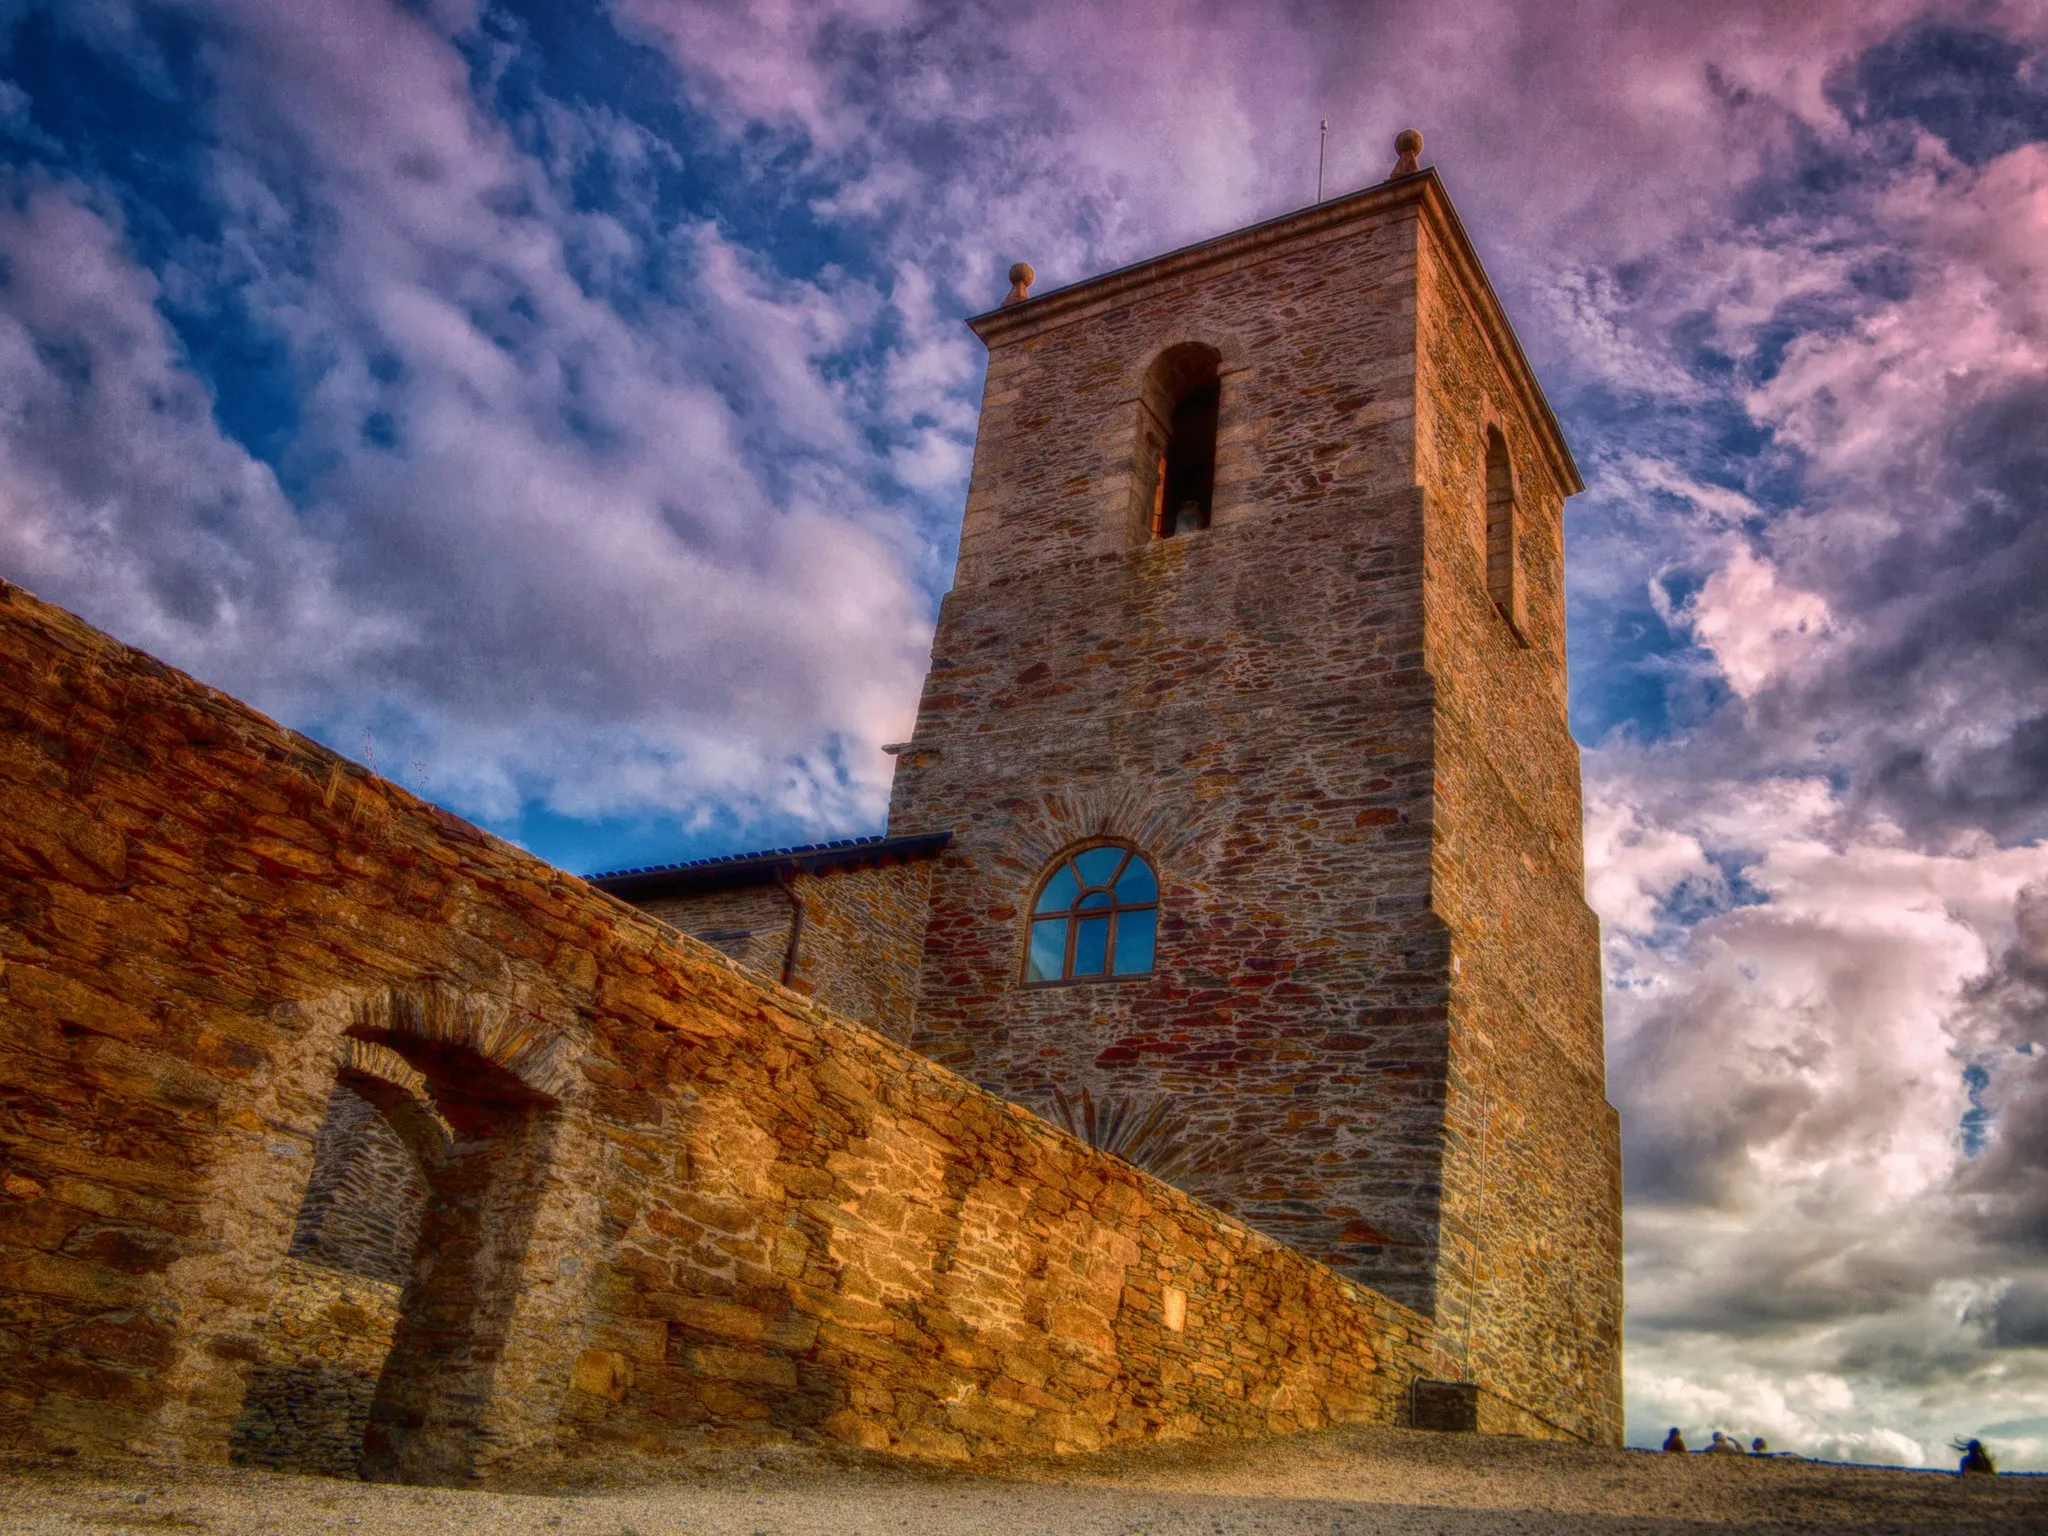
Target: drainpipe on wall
{"type": "Point", "coordinates": [796, 927]}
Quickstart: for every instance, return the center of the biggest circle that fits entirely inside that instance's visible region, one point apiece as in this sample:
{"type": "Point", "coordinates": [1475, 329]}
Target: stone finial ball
{"type": "Point", "coordinates": [1407, 142]}
{"type": "Point", "coordinates": [1022, 276]}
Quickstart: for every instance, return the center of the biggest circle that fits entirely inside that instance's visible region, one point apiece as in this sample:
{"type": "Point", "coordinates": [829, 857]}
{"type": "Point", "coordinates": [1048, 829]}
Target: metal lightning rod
{"type": "Point", "coordinates": [1322, 149]}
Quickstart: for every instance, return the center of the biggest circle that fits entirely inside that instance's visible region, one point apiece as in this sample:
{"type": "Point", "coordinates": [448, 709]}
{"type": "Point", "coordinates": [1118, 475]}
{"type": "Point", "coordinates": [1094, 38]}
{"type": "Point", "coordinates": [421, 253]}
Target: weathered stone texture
{"type": "Point", "coordinates": [752, 924]}
{"type": "Point", "coordinates": [1247, 704]}
{"type": "Point", "coordinates": [666, 1204]}
{"type": "Point", "coordinates": [857, 935]}
{"type": "Point", "coordinates": [862, 938]}
{"type": "Point", "coordinates": [1532, 1283]}
{"type": "Point", "coordinates": [1466, 1407]}
{"type": "Point", "coordinates": [1374, 1020]}
{"type": "Point", "coordinates": [321, 1347]}
{"type": "Point", "coordinates": [362, 1206]}
{"type": "Point", "coordinates": [1259, 725]}
{"type": "Point", "coordinates": [1318, 355]}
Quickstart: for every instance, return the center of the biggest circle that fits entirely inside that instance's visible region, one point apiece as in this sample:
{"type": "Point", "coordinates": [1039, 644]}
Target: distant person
{"type": "Point", "coordinates": [1674, 1441]}
{"type": "Point", "coordinates": [1758, 1447]}
{"type": "Point", "coordinates": [1977, 1459]}
{"type": "Point", "coordinates": [1723, 1446]}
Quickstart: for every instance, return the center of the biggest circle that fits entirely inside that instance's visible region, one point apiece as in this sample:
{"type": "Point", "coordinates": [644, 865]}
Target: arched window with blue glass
{"type": "Point", "coordinates": [1096, 917]}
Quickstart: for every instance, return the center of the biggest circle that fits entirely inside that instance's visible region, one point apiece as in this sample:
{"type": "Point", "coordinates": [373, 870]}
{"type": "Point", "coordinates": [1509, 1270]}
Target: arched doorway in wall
{"type": "Point", "coordinates": [438, 1400]}
{"type": "Point", "coordinates": [380, 1351]}
{"type": "Point", "coordinates": [335, 1302]}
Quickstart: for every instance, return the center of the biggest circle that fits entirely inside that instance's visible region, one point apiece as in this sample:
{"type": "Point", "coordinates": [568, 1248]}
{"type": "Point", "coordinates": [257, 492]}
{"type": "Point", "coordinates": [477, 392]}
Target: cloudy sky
{"type": "Point", "coordinates": [567, 409]}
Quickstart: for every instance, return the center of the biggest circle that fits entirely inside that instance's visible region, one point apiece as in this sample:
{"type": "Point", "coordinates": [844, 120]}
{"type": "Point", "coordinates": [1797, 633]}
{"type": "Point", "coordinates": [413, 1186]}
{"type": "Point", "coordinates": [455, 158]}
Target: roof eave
{"type": "Point", "coordinates": [764, 868]}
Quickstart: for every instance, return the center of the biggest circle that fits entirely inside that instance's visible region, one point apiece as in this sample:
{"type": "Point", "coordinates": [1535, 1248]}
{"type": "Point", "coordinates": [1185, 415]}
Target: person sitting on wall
{"type": "Point", "coordinates": [1723, 1446]}
{"type": "Point", "coordinates": [1674, 1441]}
{"type": "Point", "coordinates": [1759, 1447]}
{"type": "Point", "coordinates": [1976, 1458]}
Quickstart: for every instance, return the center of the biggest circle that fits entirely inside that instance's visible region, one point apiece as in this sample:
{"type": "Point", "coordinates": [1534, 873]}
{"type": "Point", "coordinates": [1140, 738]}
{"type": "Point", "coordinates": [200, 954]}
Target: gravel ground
{"type": "Point", "coordinates": [1333, 1484]}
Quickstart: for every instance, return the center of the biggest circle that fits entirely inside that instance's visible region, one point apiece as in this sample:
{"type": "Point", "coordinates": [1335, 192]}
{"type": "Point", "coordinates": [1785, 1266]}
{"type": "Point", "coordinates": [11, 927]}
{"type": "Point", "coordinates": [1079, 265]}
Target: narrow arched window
{"type": "Point", "coordinates": [1182, 395]}
{"type": "Point", "coordinates": [1500, 525]}
{"type": "Point", "coordinates": [1097, 915]}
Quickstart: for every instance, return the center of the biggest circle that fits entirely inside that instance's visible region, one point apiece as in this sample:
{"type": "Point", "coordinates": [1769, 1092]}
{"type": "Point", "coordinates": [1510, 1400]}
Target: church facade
{"type": "Point", "coordinates": [1239, 831]}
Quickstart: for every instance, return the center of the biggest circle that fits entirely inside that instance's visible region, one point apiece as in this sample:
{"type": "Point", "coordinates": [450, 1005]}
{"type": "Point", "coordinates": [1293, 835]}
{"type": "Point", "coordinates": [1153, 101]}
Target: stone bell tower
{"type": "Point", "coordinates": [1261, 584]}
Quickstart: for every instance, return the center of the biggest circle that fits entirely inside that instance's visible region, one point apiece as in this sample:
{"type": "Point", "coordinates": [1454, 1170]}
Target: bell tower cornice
{"type": "Point", "coordinates": [1423, 193]}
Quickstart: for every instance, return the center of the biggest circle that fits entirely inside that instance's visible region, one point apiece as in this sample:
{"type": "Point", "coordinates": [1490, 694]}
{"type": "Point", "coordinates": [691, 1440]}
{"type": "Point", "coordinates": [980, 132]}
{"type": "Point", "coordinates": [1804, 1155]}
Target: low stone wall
{"type": "Point", "coordinates": [931, 1271]}
{"type": "Point", "coordinates": [671, 1204]}
{"type": "Point", "coordinates": [322, 1345]}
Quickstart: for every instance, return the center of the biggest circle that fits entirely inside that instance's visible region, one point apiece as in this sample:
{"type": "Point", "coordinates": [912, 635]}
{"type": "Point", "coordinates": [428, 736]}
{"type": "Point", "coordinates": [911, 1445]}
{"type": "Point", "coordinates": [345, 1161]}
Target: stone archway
{"type": "Point", "coordinates": [335, 1301]}
{"type": "Point", "coordinates": [496, 1080]}
{"type": "Point", "coordinates": [373, 1159]}
{"type": "Point", "coordinates": [376, 1347]}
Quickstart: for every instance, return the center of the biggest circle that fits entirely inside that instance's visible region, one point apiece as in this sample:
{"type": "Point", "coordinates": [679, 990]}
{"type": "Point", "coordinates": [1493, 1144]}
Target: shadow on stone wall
{"type": "Point", "coordinates": [404, 1265]}
{"type": "Point", "coordinates": [324, 1343]}
{"type": "Point", "coordinates": [431, 1412]}
{"type": "Point", "coordinates": [328, 1332]}
{"type": "Point", "coordinates": [361, 1213]}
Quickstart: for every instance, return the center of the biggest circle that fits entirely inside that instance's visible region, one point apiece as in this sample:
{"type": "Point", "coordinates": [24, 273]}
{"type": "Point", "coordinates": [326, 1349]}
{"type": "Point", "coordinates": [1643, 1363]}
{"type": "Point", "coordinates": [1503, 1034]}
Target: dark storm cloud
{"type": "Point", "coordinates": [1691, 1122]}
{"type": "Point", "coordinates": [2006, 1200]}
{"type": "Point", "coordinates": [2019, 1319]}
{"type": "Point", "coordinates": [1981, 92]}
{"type": "Point", "coordinates": [1939, 696]}
{"type": "Point", "coordinates": [2005, 1187]}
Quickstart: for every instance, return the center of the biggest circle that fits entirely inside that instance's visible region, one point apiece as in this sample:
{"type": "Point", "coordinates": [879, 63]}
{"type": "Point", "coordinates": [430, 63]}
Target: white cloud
{"type": "Point", "coordinates": [116, 482]}
{"type": "Point", "coordinates": [1633, 867]}
{"type": "Point", "coordinates": [1790, 1072]}
{"type": "Point", "coordinates": [1756, 627]}
{"type": "Point", "coordinates": [618, 565]}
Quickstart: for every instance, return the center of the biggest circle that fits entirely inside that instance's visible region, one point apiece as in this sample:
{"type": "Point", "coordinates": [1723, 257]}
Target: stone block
{"type": "Point", "coordinates": [602, 1373]}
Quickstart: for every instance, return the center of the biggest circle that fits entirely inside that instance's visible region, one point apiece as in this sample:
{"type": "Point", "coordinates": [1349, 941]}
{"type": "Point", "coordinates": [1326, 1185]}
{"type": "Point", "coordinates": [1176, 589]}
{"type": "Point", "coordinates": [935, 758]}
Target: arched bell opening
{"type": "Point", "coordinates": [1503, 578]}
{"type": "Point", "coordinates": [1179, 407]}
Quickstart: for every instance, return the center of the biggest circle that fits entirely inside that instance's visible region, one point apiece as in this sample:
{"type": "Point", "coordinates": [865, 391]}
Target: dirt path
{"type": "Point", "coordinates": [1335, 1484]}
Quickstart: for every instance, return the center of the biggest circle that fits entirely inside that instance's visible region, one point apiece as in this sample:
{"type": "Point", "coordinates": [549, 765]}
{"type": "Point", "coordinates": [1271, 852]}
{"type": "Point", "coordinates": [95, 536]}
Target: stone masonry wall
{"type": "Point", "coordinates": [857, 949]}
{"type": "Point", "coordinates": [1531, 1298]}
{"type": "Point", "coordinates": [1373, 1028]}
{"type": "Point", "coordinates": [1317, 347]}
{"type": "Point", "coordinates": [671, 1205]}
{"type": "Point", "coordinates": [1293, 1025]}
{"type": "Point", "coordinates": [1247, 705]}
{"type": "Point", "coordinates": [320, 1349]}
{"type": "Point", "coordinates": [750, 924]}
{"type": "Point", "coordinates": [361, 1211]}
{"type": "Point", "coordinates": [862, 942]}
